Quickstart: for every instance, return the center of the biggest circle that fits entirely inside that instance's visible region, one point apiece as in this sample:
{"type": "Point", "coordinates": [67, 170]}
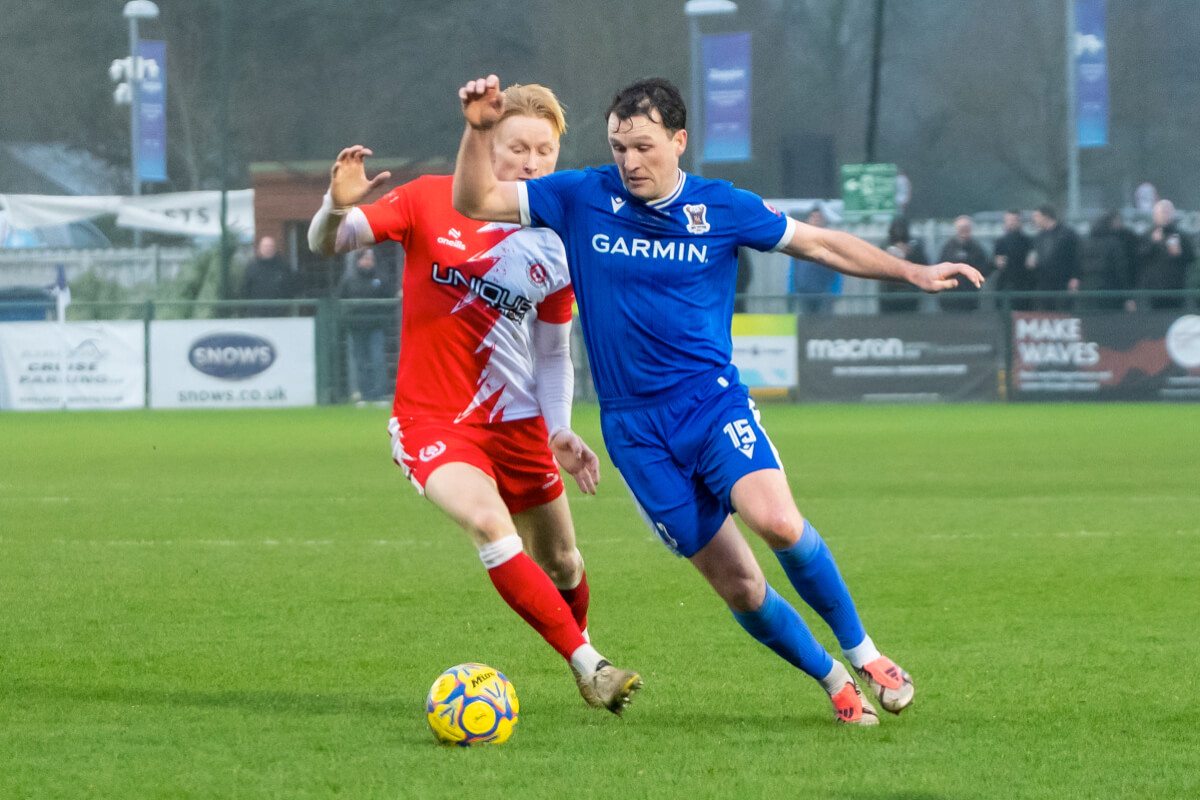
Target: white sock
{"type": "Point", "coordinates": [864, 653]}
{"type": "Point", "coordinates": [838, 677]}
{"type": "Point", "coordinates": [586, 659]}
{"type": "Point", "coordinates": [493, 554]}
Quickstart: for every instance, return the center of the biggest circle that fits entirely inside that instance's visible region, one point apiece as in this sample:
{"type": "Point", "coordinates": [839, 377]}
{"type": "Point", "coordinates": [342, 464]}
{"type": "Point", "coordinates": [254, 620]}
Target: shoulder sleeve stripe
{"type": "Point", "coordinates": [788, 232]}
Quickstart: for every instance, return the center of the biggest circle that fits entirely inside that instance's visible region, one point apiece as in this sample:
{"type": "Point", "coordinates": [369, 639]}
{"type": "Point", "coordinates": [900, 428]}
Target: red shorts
{"type": "Point", "coordinates": [514, 454]}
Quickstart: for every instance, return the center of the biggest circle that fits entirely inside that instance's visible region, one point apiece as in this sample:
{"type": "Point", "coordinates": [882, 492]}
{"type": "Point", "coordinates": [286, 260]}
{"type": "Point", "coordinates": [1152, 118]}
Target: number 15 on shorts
{"type": "Point", "coordinates": [741, 433]}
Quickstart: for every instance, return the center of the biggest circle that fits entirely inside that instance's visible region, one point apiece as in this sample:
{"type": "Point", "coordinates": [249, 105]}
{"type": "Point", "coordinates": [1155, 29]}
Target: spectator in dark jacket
{"type": "Point", "coordinates": [366, 326]}
{"type": "Point", "coordinates": [1104, 263]}
{"type": "Point", "coordinates": [1165, 256]}
{"type": "Point", "coordinates": [901, 296]}
{"type": "Point", "coordinates": [1055, 257]}
{"type": "Point", "coordinates": [964, 248]}
{"type": "Point", "coordinates": [268, 277]}
{"type": "Point", "coordinates": [1010, 258]}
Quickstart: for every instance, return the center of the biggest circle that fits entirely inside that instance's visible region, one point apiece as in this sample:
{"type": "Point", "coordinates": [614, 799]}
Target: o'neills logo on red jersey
{"type": "Point", "coordinates": [537, 273]}
{"type": "Point", "coordinates": [509, 303]}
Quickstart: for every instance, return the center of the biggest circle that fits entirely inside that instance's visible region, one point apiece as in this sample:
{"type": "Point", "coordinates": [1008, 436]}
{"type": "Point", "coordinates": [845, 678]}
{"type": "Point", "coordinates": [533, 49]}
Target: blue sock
{"type": "Point", "coordinates": [811, 569]}
{"type": "Point", "coordinates": [777, 625]}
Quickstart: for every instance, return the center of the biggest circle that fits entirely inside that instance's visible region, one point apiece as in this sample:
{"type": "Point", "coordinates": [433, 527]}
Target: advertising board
{"type": "Point", "coordinates": [245, 363]}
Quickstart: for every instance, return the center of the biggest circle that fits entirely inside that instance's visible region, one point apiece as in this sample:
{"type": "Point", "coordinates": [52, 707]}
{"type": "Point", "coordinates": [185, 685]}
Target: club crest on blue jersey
{"type": "Point", "coordinates": [696, 221]}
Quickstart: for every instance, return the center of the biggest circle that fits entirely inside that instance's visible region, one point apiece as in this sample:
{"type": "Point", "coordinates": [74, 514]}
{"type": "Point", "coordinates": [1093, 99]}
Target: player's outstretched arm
{"type": "Point", "coordinates": [477, 193]}
{"type": "Point", "coordinates": [853, 256]}
{"type": "Point", "coordinates": [333, 229]}
{"type": "Point", "coordinates": [555, 390]}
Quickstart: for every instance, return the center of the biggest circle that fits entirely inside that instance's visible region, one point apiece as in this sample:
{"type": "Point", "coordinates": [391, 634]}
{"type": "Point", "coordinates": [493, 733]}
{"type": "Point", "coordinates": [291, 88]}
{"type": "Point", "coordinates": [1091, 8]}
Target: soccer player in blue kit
{"type": "Point", "coordinates": [653, 259]}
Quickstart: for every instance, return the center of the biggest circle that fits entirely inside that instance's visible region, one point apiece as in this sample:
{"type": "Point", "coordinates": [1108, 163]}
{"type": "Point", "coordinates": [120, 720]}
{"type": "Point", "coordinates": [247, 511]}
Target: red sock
{"type": "Point", "coordinates": [578, 598]}
{"type": "Point", "coordinates": [531, 593]}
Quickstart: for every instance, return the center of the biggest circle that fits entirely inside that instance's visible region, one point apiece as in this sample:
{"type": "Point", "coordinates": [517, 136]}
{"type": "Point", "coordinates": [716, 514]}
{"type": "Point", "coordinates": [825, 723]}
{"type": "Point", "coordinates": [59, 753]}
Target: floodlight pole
{"type": "Point", "coordinates": [694, 9]}
{"type": "Point", "coordinates": [1072, 118]}
{"type": "Point", "coordinates": [135, 10]}
{"type": "Point", "coordinates": [135, 102]}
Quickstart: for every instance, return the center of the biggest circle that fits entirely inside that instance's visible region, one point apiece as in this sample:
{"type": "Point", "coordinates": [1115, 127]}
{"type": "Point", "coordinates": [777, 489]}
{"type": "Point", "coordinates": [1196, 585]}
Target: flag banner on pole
{"type": "Point", "coordinates": [726, 97]}
{"type": "Point", "coordinates": [1091, 73]}
{"type": "Point", "coordinates": [152, 111]}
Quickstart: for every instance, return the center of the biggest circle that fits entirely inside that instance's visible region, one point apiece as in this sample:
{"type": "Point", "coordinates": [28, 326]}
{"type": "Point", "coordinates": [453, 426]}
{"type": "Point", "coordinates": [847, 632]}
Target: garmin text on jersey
{"type": "Point", "coordinates": [650, 248]}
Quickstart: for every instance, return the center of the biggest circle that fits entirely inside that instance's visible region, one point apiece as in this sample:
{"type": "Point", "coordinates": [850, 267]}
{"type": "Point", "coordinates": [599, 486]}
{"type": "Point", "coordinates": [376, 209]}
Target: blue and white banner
{"type": "Point", "coordinates": [726, 97]}
{"type": "Point", "coordinates": [152, 111]}
{"type": "Point", "coordinates": [1091, 73]}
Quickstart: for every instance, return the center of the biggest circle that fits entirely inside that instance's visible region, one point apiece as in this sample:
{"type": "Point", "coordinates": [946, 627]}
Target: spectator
{"type": "Point", "coordinates": [268, 277]}
{"type": "Point", "coordinates": [1010, 259]}
{"type": "Point", "coordinates": [1104, 263]}
{"type": "Point", "coordinates": [964, 248]}
{"type": "Point", "coordinates": [366, 325]}
{"type": "Point", "coordinates": [1165, 257]}
{"type": "Point", "coordinates": [813, 282]}
{"type": "Point", "coordinates": [898, 296]}
{"type": "Point", "coordinates": [1054, 257]}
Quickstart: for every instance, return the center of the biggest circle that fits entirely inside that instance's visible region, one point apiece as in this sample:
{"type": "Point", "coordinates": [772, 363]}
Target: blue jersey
{"type": "Point", "coordinates": [654, 281]}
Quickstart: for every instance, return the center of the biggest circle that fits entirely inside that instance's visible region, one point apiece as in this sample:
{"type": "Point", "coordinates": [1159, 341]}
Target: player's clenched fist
{"type": "Point", "coordinates": [482, 102]}
{"type": "Point", "coordinates": [348, 184]}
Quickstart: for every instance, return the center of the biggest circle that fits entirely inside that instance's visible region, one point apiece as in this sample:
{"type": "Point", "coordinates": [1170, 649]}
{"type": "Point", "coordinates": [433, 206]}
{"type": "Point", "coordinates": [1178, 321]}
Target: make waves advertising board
{"type": "Point", "coordinates": [77, 366]}
{"type": "Point", "coordinates": [249, 363]}
{"type": "Point", "coordinates": [901, 358]}
{"type": "Point", "coordinates": [1106, 356]}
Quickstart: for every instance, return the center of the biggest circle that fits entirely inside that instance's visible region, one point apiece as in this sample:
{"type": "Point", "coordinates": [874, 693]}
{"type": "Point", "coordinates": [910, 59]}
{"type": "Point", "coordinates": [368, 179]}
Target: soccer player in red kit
{"type": "Point", "coordinates": [485, 381]}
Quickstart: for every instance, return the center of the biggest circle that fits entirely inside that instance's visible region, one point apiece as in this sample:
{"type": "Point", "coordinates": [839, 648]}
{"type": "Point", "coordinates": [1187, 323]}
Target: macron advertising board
{"type": "Point", "coordinates": [1106, 356]}
{"type": "Point", "coordinates": [897, 358]}
{"type": "Point", "coordinates": [236, 363]}
{"type": "Point", "coordinates": [78, 366]}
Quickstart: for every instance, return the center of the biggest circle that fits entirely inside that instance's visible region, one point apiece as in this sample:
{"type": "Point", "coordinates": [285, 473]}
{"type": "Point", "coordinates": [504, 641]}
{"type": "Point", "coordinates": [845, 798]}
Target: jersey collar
{"type": "Point", "coordinates": [663, 202]}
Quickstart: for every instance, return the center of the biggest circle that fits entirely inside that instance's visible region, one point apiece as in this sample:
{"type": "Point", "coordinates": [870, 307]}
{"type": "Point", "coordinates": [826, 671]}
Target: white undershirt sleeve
{"type": "Point", "coordinates": [554, 372]}
{"type": "Point", "coordinates": [523, 200]}
{"type": "Point", "coordinates": [788, 231]}
{"type": "Point", "coordinates": [335, 231]}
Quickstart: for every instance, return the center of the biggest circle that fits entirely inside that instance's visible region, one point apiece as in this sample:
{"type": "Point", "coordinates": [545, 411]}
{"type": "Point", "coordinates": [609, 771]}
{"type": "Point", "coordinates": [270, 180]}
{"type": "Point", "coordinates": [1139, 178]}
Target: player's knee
{"type": "Point", "coordinates": [779, 527]}
{"type": "Point", "coordinates": [490, 523]}
{"type": "Point", "coordinates": [744, 593]}
{"type": "Point", "coordinates": [562, 564]}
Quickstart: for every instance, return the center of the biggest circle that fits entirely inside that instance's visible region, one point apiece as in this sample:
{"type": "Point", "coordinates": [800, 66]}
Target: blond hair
{"type": "Point", "coordinates": [534, 100]}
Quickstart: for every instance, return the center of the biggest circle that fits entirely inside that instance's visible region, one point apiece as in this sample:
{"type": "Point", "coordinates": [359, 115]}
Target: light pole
{"type": "Point", "coordinates": [135, 10]}
{"type": "Point", "coordinates": [1072, 119]}
{"type": "Point", "coordinates": [694, 9]}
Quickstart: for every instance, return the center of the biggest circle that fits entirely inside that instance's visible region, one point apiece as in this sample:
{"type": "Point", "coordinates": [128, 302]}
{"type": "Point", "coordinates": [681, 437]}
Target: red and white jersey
{"type": "Point", "coordinates": [471, 292]}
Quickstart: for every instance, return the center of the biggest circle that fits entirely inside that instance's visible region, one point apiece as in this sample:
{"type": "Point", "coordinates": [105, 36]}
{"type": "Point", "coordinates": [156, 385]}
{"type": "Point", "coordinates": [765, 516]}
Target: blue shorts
{"type": "Point", "coordinates": [681, 458]}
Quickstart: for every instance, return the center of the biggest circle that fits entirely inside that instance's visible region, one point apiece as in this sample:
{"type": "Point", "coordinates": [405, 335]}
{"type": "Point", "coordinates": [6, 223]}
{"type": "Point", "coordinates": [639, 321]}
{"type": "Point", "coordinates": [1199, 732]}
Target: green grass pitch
{"type": "Point", "coordinates": [254, 604]}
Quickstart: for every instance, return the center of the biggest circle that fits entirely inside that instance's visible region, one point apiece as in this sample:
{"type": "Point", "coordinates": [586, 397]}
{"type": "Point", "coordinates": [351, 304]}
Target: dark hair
{"type": "Point", "coordinates": [1048, 210]}
{"type": "Point", "coordinates": [1104, 224]}
{"type": "Point", "coordinates": [898, 230]}
{"type": "Point", "coordinates": [1016, 211]}
{"type": "Point", "coordinates": [650, 94]}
